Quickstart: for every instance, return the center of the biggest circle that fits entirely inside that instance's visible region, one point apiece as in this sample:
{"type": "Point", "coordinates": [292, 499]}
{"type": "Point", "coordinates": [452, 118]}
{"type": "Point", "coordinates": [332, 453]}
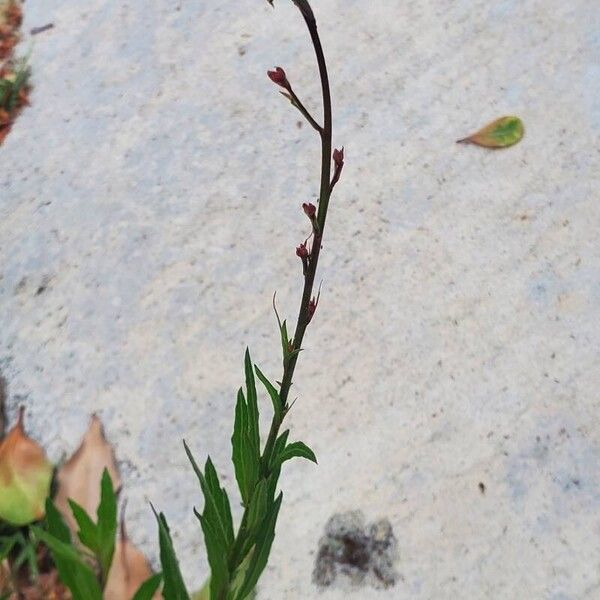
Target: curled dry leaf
{"type": "Point", "coordinates": [79, 478]}
{"type": "Point", "coordinates": [501, 133]}
{"type": "Point", "coordinates": [25, 476]}
{"type": "Point", "coordinates": [128, 571]}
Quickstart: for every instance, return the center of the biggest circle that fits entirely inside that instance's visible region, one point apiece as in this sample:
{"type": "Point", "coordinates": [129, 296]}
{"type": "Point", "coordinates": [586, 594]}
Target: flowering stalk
{"type": "Point", "coordinates": [308, 303]}
{"type": "Point", "coordinates": [237, 559]}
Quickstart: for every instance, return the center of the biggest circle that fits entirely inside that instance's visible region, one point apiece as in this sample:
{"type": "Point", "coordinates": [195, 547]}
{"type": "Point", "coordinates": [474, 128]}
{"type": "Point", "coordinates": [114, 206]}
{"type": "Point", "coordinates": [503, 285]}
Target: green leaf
{"type": "Point", "coordinates": [285, 341]}
{"type": "Point", "coordinates": [253, 414]}
{"type": "Point", "coordinates": [501, 133]}
{"type": "Point", "coordinates": [55, 523]}
{"type": "Point", "coordinates": [216, 504]}
{"type": "Point", "coordinates": [72, 570]}
{"type": "Point", "coordinates": [147, 590]}
{"type": "Point", "coordinates": [262, 550]}
{"type": "Point", "coordinates": [223, 506]}
{"type": "Point", "coordinates": [107, 522]}
{"type": "Point", "coordinates": [281, 442]}
{"type": "Point", "coordinates": [245, 454]}
{"type": "Point", "coordinates": [99, 537]}
{"type": "Point", "coordinates": [296, 449]}
{"type": "Point", "coordinates": [173, 588]}
{"type": "Point", "coordinates": [258, 504]}
{"type": "Point", "coordinates": [237, 448]}
{"type": "Point", "coordinates": [272, 391]}
{"type": "Point", "coordinates": [7, 543]}
{"type": "Point", "coordinates": [217, 555]}
{"type": "Point", "coordinates": [88, 532]}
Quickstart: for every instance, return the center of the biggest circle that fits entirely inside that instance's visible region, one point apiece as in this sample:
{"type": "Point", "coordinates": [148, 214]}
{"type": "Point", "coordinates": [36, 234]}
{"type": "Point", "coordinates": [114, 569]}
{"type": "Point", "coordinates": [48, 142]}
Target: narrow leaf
{"type": "Point", "coordinates": [173, 588]}
{"type": "Point", "coordinates": [237, 448]}
{"type": "Point", "coordinates": [55, 523]}
{"type": "Point", "coordinates": [258, 504]}
{"type": "Point", "coordinates": [245, 453]}
{"type": "Point", "coordinates": [73, 572]}
{"type": "Point", "coordinates": [285, 341]}
{"type": "Point", "coordinates": [217, 558]}
{"type": "Point", "coordinates": [147, 590]}
{"type": "Point", "coordinates": [216, 507]}
{"type": "Point", "coordinates": [252, 402]}
{"type": "Point", "coordinates": [107, 522]}
{"type": "Point", "coordinates": [501, 133]}
{"type": "Point", "coordinates": [296, 449]}
{"type": "Point", "coordinates": [281, 442]}
{"type": "Point", "coordinates": [87, 533]}
{"type": "Point", "coordinates": [220, 495]}
{"type": "Point", "coordinates": [261, 551]}
{"type": "Point", "coordinates": [272, 391]}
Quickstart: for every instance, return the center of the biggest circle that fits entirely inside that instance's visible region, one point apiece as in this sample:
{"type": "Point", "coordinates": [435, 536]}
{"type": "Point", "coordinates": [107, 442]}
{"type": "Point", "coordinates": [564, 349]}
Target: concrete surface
{"type": "Point", "coordinates": [150, 207]}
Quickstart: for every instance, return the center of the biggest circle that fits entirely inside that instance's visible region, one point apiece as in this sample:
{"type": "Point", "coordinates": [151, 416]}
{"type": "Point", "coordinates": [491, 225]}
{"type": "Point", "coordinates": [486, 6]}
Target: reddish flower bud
{"type": "Point", "coordinates": [278, 76]}
{"type": "Point", "coordinates": [302, 251]}
{"type": "Point", "coordinates": [309, 209]}
{"type": "Point", "coordinates": [338, 158]}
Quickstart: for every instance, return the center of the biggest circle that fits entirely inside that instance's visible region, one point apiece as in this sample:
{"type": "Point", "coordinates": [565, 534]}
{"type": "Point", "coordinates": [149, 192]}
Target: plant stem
{"type": "Point", "coordinates": [304, 316]}
{"type": "Point", "coordinates": [309, 277]}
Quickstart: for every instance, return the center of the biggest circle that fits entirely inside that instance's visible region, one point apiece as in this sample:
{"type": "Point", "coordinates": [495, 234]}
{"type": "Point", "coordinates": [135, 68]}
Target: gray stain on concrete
{"type": "Point", "coordinates": [361, 554]}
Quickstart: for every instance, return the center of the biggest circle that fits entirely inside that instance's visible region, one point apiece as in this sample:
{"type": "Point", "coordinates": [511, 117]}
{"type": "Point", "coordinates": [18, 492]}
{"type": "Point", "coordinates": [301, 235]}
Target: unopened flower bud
{"type": "Point", "coordinates": [338, 158]}
{"type": "Point", "coordinates": [302, 251]}
{"type": "Point", "coordinates": [309, 209]}
{"type": "Point", "coordinates": [278, 76]}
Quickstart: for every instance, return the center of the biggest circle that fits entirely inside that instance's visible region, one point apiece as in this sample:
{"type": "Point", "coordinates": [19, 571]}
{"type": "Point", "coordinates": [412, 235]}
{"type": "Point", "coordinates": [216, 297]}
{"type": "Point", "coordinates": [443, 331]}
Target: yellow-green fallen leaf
{"type": "Point", "coordinates": [501, 133]}
{"type": "Point", "coordinates": [25, 475]}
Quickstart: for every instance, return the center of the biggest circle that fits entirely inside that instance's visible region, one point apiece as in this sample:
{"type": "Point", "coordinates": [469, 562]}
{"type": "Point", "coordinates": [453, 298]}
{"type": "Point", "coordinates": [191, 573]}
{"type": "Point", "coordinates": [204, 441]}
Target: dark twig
{"type": "Point", "coordinates": [36, 30]}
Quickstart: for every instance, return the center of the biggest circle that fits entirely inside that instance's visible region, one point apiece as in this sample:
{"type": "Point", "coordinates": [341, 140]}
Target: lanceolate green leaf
{"type": "Point", "coordinates": [73, 572]}
{"type": "Point", "coordinates": [55, 523]}
{"type": "Point", "coordinates": [296, 449]}
{"type": "Point", "coordinates": [261, 550]}
{"type": "Point", "coordinates": [252, 402]}
{"type": "Point", "coordinates": [216, 504]}
{"type": "Point", "coordinates": [258, 504]}
{"type": "Point", "coordinates": [272, 391]}
{"type": "Point", "coordinates": [87, 534]}
{"type": "Point", "coordinates": [245, 452]}
{"type": "Point", "coordinates": [285, 341]}
{"type": "Point", "coordinates": [173, 588]}
{"type": "Point", "coordinates": [107, 522]}
{"type": "Point", "coordinates": [99, 537]}
{"type": "Point", "coordinates": [501, 133]}
{"type": "Point", "coordinates": [147, 590]}
{"type": "Point", "coordinates": [217, 554]}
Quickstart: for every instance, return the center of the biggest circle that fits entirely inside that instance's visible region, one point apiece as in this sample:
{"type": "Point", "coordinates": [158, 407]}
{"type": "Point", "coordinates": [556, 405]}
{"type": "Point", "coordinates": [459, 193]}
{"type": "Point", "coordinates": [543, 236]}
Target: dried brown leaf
{"type": "Point", "coordinates": [128, 571]}
{"type": "Point", "coordinates": [79, 478]}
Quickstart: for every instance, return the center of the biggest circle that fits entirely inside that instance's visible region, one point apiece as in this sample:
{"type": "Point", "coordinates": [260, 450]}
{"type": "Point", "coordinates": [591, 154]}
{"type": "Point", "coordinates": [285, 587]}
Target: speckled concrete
{"type": "Point", "coordinates": [149, 207]}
